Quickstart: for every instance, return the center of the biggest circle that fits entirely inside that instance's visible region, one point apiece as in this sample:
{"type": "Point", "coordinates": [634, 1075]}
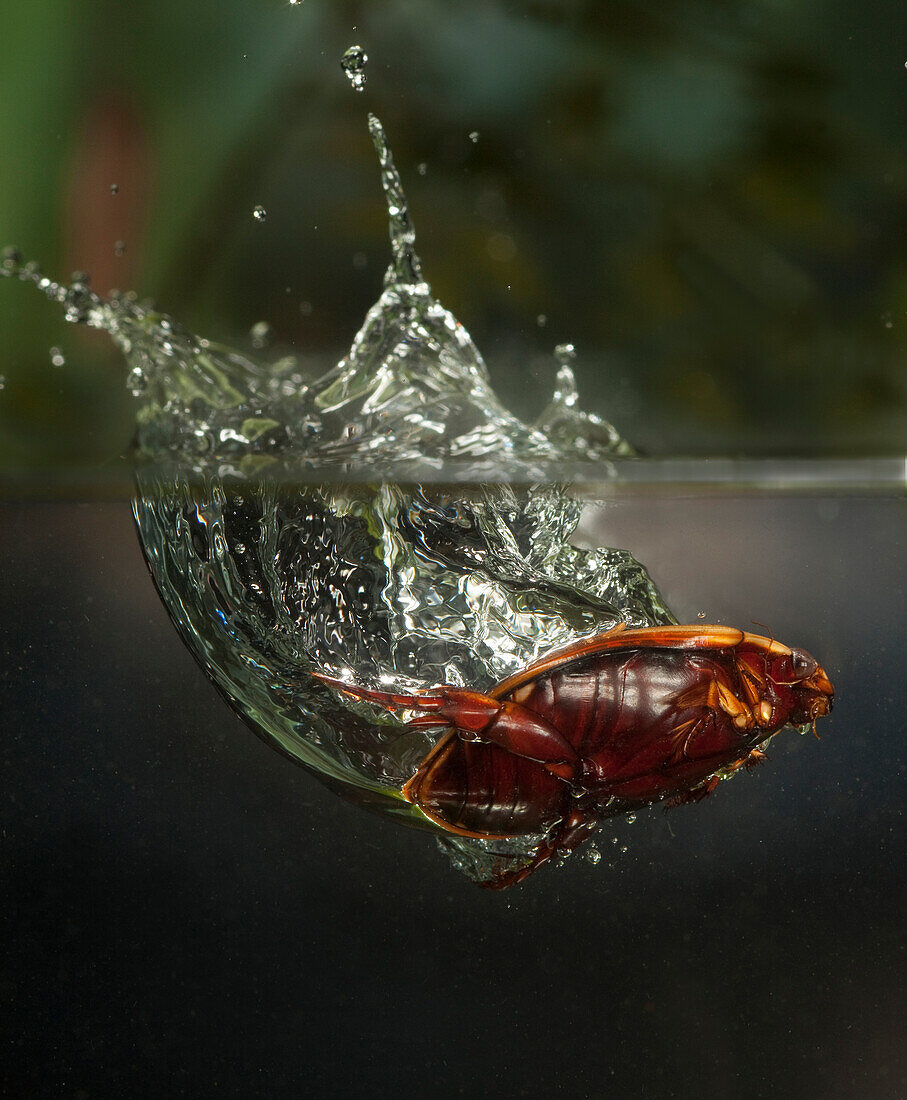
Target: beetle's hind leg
{"type": "Point", "coordinates": [478, 717]}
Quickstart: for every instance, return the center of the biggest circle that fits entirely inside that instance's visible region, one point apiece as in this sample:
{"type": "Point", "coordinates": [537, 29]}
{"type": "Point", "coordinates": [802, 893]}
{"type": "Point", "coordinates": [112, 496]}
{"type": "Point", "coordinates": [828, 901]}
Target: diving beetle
{"type": "Point", "coordinates": [606, 725]}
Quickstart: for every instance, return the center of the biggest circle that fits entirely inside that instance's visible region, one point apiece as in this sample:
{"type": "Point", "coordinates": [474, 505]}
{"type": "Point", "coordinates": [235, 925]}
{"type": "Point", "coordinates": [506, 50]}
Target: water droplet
{"type": "Point", "coordinates": [353, 64]}
{"type": "Point", "coordinates": [259, 213]}
{"type": "Point", "coordinates": [700, 614]}
{"type": "Point", "coordinates": [422, 168]}
{"type": "Point", "coordinates": [887, 321]}
{"type": "Point", "coordinates": [57, 358]}
{"type": "Point", "coordinates": [593, 855]}
{"type": "Point", "coordinates": [541, 320]}
{"type": "Point", "coordinates": [474, 136]}
{"type": "Point", "coordinates": [261, 334]}
{"type": "Point", "coordinates": [119, 248]}
{"type": "Point", "coordinates": [2, 381]}
{"type": "Point", "coordinates": [631, 818]}
{"type": "Point", "coordinates": [624, 849]}
{"type": "Point", "coordinates": [114, 188]}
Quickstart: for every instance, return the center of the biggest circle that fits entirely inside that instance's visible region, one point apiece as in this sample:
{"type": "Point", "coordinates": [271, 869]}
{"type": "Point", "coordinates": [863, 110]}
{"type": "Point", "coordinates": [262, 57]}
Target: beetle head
{"type": "Point", "coordinates": [801, 682]}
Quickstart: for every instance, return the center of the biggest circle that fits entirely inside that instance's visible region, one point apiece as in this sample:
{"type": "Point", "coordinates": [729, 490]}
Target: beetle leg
{"type": "Point", "coordinates": [752, 685]}
{"type": "Point", "coordinates": [478, 717]}
{"type": "Point", "coordinates": [764, 714]}
{"type": "Point", "coordinates": [716, 696]}
{"type": "Point", "coordinates": [387, 699]}
{"type": "Point", "coordinates": [703, 695]}
{"type": "Point", "coordinates": [684, 734]}
{"type": "Point", "coordinates": [752, 758]}
{"type": "Point", "coordinates": [575, 827]}
{"type": "Point", "coordinates": [756, 756]}
{"type": "Point", "coordinates": [695, 795]}
{"type": "Point", "coordinates": [522, 732]}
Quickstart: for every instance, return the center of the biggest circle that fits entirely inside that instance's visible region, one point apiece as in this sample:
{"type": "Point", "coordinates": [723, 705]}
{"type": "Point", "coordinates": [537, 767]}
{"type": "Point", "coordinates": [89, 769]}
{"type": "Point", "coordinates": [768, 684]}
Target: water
{"type": "Point", "coordinates": [349, 524]}
{"type": "Point", "coordinates": [402, 582]}
{"type": "Point", "coordinates": [353, 64]}
{"type": "Point", "coordinates": [187, 913]}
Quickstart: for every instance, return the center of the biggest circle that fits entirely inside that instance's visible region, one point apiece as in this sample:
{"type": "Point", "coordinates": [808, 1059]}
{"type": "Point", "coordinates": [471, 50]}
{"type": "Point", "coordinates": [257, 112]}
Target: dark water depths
{"type": "Point", "coordinates": [188, 913]}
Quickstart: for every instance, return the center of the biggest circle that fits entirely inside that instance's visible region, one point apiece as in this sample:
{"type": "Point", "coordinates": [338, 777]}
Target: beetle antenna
{"type": "Point", "coordinates": [768, 630]}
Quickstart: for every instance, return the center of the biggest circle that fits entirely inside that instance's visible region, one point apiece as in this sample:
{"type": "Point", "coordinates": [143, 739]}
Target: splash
{"type": "Point", "coordinates": [389, 522]}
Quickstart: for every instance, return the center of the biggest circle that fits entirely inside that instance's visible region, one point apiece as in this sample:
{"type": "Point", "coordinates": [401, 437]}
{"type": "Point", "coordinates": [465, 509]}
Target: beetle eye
{"type": "Point", "coordinates": [804, 665]}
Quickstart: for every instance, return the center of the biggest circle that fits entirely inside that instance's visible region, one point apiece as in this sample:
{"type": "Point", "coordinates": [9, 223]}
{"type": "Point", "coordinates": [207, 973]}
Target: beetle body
{"type": "Point", "coordinates": [611, 723]}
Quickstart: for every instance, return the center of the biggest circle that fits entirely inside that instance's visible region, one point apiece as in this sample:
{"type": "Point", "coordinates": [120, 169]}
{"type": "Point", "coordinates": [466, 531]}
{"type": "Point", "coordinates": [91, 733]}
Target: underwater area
{"type": "Point", "coordinates": [347, 569]}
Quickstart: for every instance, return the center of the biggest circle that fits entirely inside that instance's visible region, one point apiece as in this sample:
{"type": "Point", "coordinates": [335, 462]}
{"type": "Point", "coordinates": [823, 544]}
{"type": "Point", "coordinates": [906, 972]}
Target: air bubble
{"type": "Point", "coordinates": [57, 358]}
{"type": "Point", "coordinates": [261, 334]}
{"type": "Point", "coordinates": [10, 260]}
{"type": "Point", "coordinates": [114, 188]}
{"type": "Point", "coordinates": [119, 248]}
{"type": "Point", "coordinates": [631, 818]}
{"type": "Point", "coordinates": [593, 855]}
{"type": "Point", "coordinates": [565, 354]}
{"type": "Point", "coordinates": [474, 136]}
{"type": "Point", "coordinates": [259, 213]}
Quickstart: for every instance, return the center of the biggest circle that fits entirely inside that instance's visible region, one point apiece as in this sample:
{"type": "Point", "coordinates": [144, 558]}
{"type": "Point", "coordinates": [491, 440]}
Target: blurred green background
{"type": "Point", "coordinates": [707, 198]}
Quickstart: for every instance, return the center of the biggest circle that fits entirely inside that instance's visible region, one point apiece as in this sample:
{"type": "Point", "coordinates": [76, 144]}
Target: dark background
{"type": "Point", "coordinates": [706, 196]}
{"type": "Point", "coordinates": [185, 913]}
